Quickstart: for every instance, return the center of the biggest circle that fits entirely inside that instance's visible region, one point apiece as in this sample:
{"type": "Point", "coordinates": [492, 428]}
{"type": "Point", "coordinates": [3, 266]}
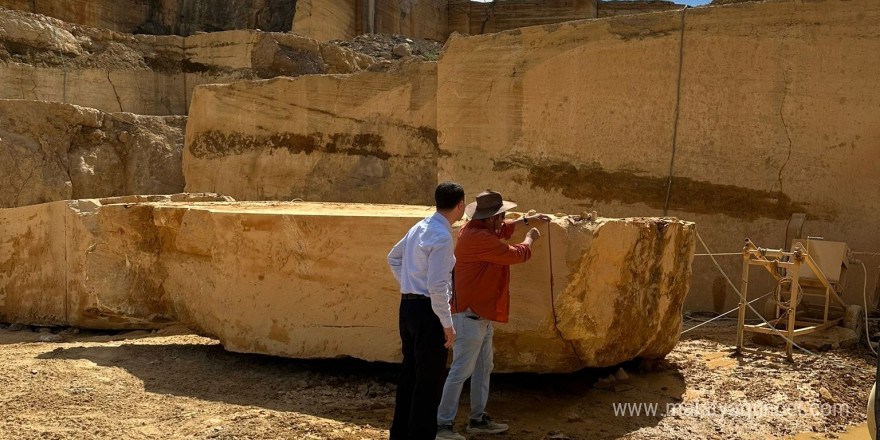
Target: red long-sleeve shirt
{"type": "Point", "coordinates": [482, 269]}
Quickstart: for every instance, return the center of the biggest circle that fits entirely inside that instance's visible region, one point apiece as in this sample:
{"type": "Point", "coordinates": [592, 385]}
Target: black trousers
{"type": "Point", "coordinates": [422, 374]}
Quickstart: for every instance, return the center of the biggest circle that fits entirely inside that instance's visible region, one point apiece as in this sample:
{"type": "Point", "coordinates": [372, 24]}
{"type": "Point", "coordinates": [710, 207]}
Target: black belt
{"type": "Point", "coordinates": [414, 296]}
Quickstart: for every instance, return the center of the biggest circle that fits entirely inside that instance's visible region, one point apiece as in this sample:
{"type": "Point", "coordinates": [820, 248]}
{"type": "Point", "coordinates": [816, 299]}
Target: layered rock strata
{"type": "Point", "coordinates": [50, 60]}
{"type": "Point", "coordinates": [366, 137]}
{"type": "Point", "coordinates": [751, 112]}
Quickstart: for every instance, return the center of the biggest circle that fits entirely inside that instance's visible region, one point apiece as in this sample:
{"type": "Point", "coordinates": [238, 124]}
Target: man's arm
{"type": "Point", "coordinates": [440, 263]}
{"type": "Point", "coordinates": [395, 258]}
{"type": "Point", "coordinates": [493, 250]}
{"type": "Point", "coordinates": [528, 219]}
{"type": "Point", "coordinates": [525, 220]}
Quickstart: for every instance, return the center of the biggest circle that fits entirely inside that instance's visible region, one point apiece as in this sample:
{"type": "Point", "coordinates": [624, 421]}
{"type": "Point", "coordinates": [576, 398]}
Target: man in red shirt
{"type": "Point", "coordinates": [481, 294]}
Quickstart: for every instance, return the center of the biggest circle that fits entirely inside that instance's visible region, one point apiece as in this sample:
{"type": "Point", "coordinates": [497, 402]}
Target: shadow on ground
{"type": "Point", "coordinates": [360, 392]}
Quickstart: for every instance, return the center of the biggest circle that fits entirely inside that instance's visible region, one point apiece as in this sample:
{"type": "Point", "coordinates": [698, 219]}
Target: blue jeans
{"type": "Point", "coordinates": [471, 357]}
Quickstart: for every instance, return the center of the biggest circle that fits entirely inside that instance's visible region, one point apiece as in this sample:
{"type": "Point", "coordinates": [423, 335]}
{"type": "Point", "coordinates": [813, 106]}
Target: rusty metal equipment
{"type": "Point", "coordinates": [813, 268]}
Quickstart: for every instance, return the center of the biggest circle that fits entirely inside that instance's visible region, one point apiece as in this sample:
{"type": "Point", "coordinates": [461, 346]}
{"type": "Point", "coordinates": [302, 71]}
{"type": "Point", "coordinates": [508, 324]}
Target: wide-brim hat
{"type": "Point", "coordinates": [488, 204]}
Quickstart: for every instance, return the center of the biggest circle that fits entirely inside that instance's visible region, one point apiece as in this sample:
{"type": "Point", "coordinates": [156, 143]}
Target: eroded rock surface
{"type": "Point", "coordinates": [310, 280]}
{"type": "Point", "coordinates": [50, 60]}
{"type": "Point", "coordinates": [51, 151]}
{"type": "Point", "coordinates": [161, 17]}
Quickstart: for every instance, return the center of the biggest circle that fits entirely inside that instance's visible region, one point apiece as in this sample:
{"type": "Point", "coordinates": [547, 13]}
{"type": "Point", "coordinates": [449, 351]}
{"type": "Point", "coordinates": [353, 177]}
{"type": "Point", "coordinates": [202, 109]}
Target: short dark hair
{"type": "Point", "coordinates": [447, 195]}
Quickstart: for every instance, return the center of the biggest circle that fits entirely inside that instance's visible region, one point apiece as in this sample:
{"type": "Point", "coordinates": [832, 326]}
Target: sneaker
{"type": "Point", "coordinates": [445, 432]}
{"type": "Point", "coordinates": [485, 426]}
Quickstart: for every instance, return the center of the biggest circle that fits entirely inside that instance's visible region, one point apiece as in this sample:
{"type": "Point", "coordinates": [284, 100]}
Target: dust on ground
{"type": "Point", "coordinates": [172, 384]}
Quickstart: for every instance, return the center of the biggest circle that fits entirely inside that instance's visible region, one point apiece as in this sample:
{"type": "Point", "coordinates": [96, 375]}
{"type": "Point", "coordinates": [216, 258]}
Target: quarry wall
{"type": "Point", "coordinates": [771, 114]}
{"type": "Point", "coordinates": [326, 20]}
{"type": "Point", "coordinates": [367, 137]}
{"type": "Point", "coordinates": [769, 106]}
{"type": "Point", "coordinates": [50, 60]}
{"type": "Point", "coordinates": [165, 17]}
{"type": "Point", "coordinates": [476, 18]}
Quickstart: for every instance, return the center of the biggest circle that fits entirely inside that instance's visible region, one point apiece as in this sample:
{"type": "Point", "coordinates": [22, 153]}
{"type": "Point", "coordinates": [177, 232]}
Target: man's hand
{"type": "Point", "coordinates": [449, 332]}
{"type": "Point", "coordinates": [533, 234]}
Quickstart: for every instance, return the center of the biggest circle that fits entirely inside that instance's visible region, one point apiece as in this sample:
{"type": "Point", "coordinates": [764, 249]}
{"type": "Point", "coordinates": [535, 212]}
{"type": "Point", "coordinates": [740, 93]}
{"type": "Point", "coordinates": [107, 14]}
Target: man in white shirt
{"type": "Point", "coordinates": [422, 263]}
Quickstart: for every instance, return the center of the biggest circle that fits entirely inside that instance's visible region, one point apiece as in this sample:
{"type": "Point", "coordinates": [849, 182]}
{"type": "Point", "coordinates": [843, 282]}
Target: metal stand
{"type": "Point", "coordinates": [772, 260]}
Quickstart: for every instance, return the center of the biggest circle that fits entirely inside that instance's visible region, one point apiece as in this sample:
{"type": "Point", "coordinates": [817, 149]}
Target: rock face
{"type": "Point", "coordinates": [163, 17]}
{"type": "Point", "coordinates": [329, 19]}
{"type": "Point", "coordinates": [344, 19]}
{"type": "Point", "coordinates": [85, 263]}
{"type": "Point", "coordinates": [284, 279]}
{"type": "Point", "coordinates": [581, 115]}
{"type": "Point", "coordinates": [51, 151]}
{"type": "Point", "coordinates": [630, 7]}
{"type": "Point", "coordinates": [49, 60]}
{"type": "Point", "coordinates": [366, 137]}
{"type": "Point", "coordinates": [474, 18]}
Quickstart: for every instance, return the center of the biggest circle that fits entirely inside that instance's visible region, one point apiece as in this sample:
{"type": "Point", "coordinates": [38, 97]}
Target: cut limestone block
{"type": "Point", "coordinates": [90, 263]}
{"type": "Point", "coordinates": [311, 281]}
{"type": "Point", "coordinates": [366, 137]}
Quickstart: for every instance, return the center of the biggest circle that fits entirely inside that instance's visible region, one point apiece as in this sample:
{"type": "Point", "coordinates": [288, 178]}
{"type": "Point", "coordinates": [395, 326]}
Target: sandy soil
{"type": "Point", "coordinates": [171, 384]}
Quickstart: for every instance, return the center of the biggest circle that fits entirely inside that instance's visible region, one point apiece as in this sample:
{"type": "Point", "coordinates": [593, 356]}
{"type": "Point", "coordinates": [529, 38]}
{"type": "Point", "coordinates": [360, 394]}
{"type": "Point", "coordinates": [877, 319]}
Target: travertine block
{"type": "Point", "coordinates": [310, 280]}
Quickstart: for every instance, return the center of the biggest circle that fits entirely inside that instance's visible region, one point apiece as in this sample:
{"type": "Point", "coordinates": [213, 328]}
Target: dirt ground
{"type": "Point", "coordinates": [175, 385]}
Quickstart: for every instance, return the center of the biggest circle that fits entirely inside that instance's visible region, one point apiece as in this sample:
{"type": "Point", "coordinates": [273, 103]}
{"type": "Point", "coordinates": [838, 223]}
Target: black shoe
{"type": "Point", "coordinates": [485, 425]}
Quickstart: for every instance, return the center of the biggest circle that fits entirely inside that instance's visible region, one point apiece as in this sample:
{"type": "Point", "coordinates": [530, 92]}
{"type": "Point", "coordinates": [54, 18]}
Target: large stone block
{"type": "Point", "coordinates": [310, 280]}
{"type": "Point", "coordinates": [90, 263]}
{"type": "Point", "coordinates": [365, 137]}
{"type": "Point", "coordinates": [51, 151]}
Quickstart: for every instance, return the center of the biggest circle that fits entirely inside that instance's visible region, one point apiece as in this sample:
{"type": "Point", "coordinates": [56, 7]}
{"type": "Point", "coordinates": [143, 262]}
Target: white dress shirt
{"type": "Point", "coordinates": [422, 262]}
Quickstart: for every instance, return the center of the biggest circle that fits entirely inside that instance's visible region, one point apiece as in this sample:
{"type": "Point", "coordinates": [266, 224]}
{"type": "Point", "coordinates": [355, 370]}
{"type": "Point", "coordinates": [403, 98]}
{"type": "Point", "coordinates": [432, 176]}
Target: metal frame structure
{"type": "Point", "coordinates": [791, 261]}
